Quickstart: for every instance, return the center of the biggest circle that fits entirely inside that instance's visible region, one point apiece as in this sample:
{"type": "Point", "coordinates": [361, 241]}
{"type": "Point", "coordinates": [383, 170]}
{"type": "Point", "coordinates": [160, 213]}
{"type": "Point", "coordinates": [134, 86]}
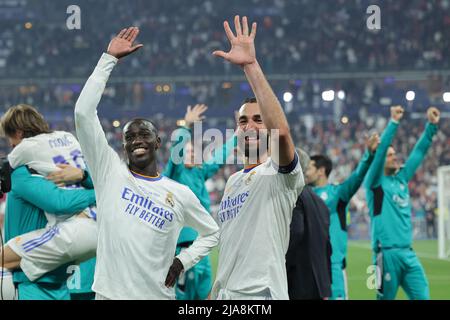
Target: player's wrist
{"type": "Point", "coordinates": [110, 56]}
{"type": "Point", "coordinates": [252, 66]}
{"type": "Point", "coordinates": [184, 124]}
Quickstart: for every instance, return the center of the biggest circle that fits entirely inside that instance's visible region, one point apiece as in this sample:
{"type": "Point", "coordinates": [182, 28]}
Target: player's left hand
{"type": "Point", "coordinates": [372, 142]}
{"type": "Point", "coordinates": [66, 176]}
{"type": "Point", "coordinates": [122, 44]}
{"type": "Point", "coordinates": [174, 272]}
{"type": "Point", "coordinates": [195, 114]}
{"type": "Point", "coordinates": [242, 45]}
{"type": "Point", "coordinates": [433, 115]}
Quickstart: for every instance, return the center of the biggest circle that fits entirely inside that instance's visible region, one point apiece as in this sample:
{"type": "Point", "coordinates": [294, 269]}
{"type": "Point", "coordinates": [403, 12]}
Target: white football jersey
{"type": "Point", "coordinates": [139, 217]}
{"type": "Point", "coordinates": [254, 218]}
{"type": "Point", "coordinates": [43, 152]}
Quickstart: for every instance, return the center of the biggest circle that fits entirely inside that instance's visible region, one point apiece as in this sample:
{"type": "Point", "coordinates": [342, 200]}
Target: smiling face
{"type": "Point", "coordinates": [250, 123]}
{"type": "Point", "coordinates": [140, 141]}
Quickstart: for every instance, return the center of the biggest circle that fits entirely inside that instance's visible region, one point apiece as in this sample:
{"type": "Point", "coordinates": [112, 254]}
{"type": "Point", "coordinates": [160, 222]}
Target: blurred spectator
{"type": "Point", "coordinates": [179, 36]}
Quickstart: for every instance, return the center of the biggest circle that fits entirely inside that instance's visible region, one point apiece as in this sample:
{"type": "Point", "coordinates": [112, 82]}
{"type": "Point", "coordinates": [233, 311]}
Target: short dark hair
{"type": "Point", "coordinates": [155, 128]}
{"type": "Point", "coordinates": [250, 100]}
{"type": "Point", "coordinates": [322, 161]}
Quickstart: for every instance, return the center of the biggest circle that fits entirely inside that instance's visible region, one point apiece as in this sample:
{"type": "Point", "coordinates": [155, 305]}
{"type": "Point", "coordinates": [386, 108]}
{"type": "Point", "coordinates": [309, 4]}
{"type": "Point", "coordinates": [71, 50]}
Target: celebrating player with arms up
{"type": "Point", "coordinates": [256, 208]}
{"type": "Point", "coordinates": [390, 211]}
{"type": "Point", "coordinates": [140, 213]}
{"type": "Point", "coordinates": [337, 198]}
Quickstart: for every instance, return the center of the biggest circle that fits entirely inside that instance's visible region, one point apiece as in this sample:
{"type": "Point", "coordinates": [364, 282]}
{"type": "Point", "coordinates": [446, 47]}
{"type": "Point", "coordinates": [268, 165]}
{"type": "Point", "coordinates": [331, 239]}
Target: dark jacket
{"type": "Point", "coordinates": [308, 259]}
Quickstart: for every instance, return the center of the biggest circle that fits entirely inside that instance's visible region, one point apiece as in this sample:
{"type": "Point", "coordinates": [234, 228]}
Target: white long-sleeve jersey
{"type": "Point", "coordinates": [139, 217]}
{"type": "Point", "coordinates": [254, 218]}
{"type": "Point", "coordinates": [43, 153]}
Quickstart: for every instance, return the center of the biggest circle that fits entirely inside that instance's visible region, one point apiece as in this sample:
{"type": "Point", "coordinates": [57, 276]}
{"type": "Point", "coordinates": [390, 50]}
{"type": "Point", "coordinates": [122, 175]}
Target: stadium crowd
{"type": "Point", "coordinates": [295, 36]}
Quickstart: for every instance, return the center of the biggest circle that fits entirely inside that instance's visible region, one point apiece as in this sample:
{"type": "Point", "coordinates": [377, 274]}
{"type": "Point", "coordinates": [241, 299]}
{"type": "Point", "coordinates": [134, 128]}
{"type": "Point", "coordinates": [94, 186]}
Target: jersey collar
{"type": "Point", "coordinates": [146, 178]}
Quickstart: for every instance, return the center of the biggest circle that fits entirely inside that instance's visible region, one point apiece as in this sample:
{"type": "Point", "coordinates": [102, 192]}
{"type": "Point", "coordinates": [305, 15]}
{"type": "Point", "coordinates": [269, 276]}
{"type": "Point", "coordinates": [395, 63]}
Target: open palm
{"type": "Point", "coordinates": [195, 114]}
{"type": "Point", "coordinates": [122, 44]}
{"type": "Point", "coordinates": [242, 50]}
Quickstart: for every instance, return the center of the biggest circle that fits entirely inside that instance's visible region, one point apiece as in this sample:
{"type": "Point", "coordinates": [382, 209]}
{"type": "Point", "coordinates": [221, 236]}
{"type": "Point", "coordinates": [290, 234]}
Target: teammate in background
{"type": "Point", "coordinates": [256, 209]}
{"type": "Point", "coordinates": [194, 284]}
{"type": "Point", "coordinates": [390, 212]}
{"type": "Point", "coordinates": [308, 259]}
{"type": "Point", "coordinates": [140, 213]}
{"type": "Point", "coordinates": [337, 198]}
{"type": "Point", "coordinates": [30, 202]}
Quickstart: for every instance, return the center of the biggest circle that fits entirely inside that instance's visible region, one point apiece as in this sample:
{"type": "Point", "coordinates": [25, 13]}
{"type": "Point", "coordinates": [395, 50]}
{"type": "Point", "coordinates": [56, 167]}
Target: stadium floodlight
{"type": "Point", "coordinates": [446, 96]}
{"type": "Point", "coordinates": [410, 95]}
{"type": "Point", "coordinates": [344, 120]}
{"type": "Point", "coordinates": [328, 95]}
{"type": "Point", "coordinates": [287, 97]}
{"type": "Point", "coordinates": [341, 94]}
{"type": "Point", "coordinates": [116, 123]}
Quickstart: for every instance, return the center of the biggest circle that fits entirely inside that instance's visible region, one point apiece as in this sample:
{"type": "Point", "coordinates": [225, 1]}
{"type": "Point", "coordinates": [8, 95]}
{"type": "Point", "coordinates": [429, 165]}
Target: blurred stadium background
{"type": "Point", "coordinates": [335, 78]}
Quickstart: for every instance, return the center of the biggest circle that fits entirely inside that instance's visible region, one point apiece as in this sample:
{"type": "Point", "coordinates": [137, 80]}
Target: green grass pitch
{"type": "Point", "coordinates": [360, 258]}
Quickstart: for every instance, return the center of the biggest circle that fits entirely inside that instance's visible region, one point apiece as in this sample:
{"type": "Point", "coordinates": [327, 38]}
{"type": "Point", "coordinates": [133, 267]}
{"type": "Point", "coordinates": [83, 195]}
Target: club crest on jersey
{"type": "Point", "coordinates": [169, 199]}
{"type": "Point", "coordinates": [248, 180]}
{"type": "Point", "coordinates": [401, 202]}
{"type": "Point", "coordinates": [324, 196]}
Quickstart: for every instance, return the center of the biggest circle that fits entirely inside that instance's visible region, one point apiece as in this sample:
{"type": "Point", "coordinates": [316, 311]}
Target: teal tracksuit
{"type": "Point", "coordinates": [86, 277]}
{"type": "Point", "coordinates": [390, 212]}
{"type": "Point", "coordinates": [197, 281]}
{"type": "Point", "coordinates": [29, 197]}
{"type": "Point", "coordinates": [337, 198]}
{"type": "Point", "coordinates": [86, 270]}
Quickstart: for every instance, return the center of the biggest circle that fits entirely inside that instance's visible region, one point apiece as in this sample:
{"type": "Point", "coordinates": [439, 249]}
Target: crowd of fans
{"type": "Point", "coordinates": [179, 36]}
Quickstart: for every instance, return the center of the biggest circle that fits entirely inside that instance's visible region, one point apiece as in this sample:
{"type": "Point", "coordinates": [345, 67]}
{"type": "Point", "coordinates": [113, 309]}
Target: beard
{"type": "Point", "coordinates": [251, 151]}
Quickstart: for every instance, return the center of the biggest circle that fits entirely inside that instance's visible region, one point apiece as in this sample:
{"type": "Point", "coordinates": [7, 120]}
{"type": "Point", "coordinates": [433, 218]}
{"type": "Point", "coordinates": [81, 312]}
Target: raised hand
{"type": "Point", "coordinates": [122, 44]}
{"type": "Point", "coordinates": [397, 113]}
{"type": "Point", "coordinates": [194, 114]}
{"type": "Point", "coordinates": [372, 142]}
{"type": "Point", "coordinates": [433, 115]}
{"type": "Point", "coordinates": [242, 50]}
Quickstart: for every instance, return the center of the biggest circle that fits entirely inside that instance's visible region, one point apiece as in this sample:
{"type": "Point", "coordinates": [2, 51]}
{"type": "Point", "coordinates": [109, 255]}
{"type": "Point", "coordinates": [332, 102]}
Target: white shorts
{"type": "Point", "coordinates": [46, 249]}
{"type": "Point", "coordinates": [7, 289]}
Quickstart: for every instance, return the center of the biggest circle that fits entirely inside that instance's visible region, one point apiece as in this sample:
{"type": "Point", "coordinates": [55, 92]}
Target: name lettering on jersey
{"type": "Point", "coordinates": [65, 141]}
{"type": "Point", "coordinates": [229, 207]}
{"type": "Point", "coordinates": [146, 209]}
